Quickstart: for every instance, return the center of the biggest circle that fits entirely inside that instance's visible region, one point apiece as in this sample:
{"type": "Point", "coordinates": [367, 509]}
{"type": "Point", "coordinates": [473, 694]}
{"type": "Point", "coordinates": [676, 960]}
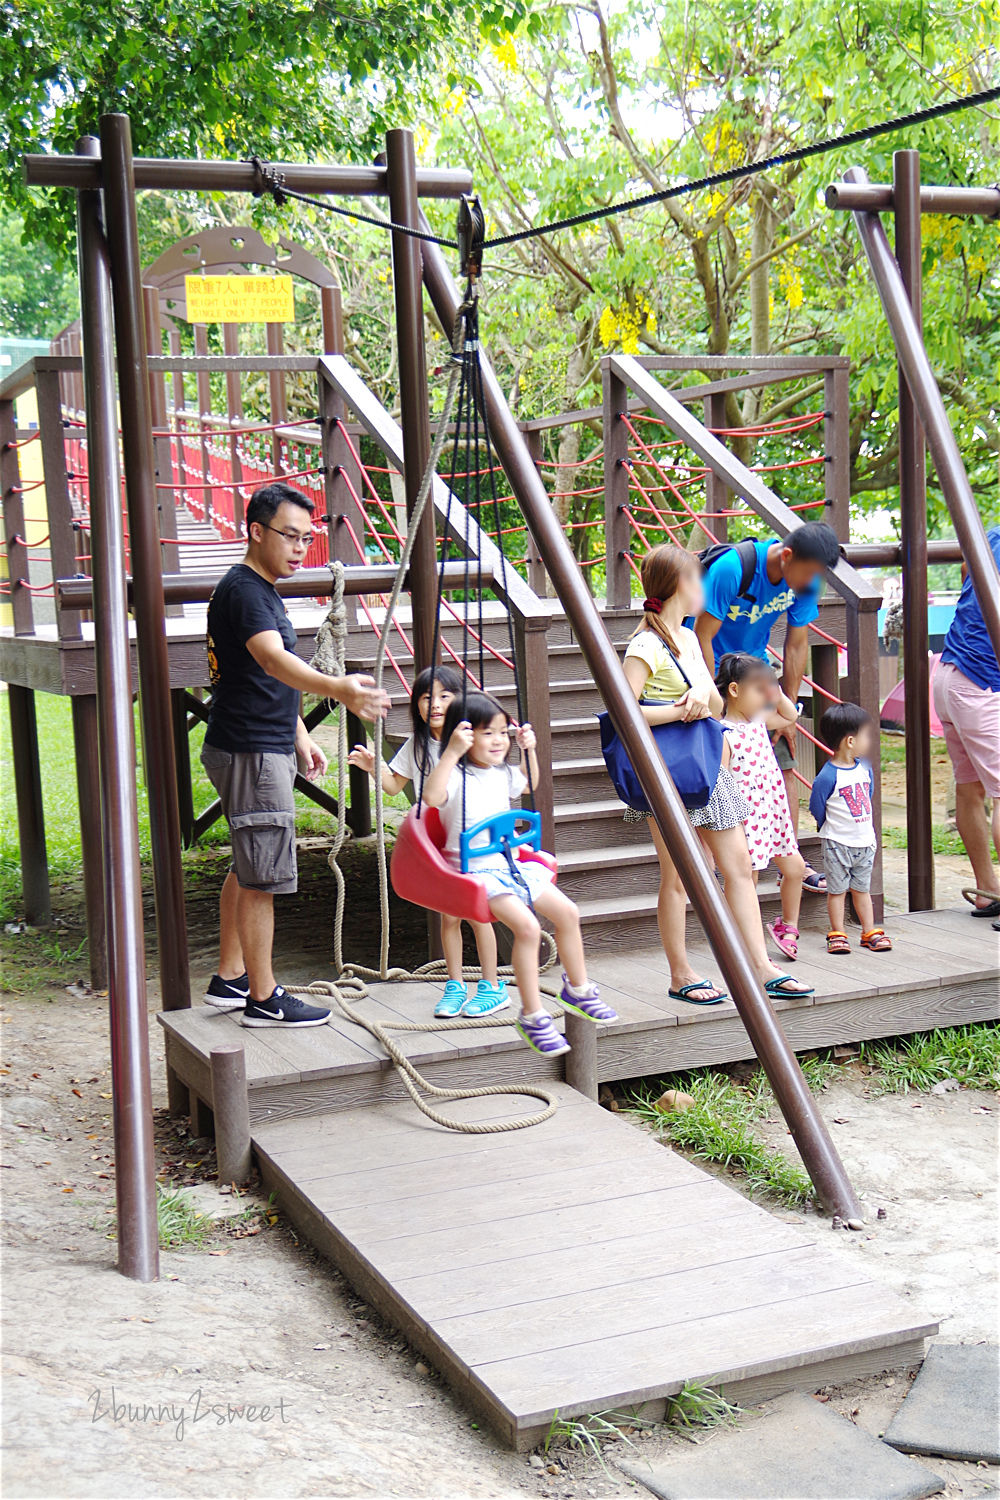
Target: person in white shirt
{"type": "Point", "coordinates": [471, 782]}
{"type": "Point", "coordinates": [841, 803]}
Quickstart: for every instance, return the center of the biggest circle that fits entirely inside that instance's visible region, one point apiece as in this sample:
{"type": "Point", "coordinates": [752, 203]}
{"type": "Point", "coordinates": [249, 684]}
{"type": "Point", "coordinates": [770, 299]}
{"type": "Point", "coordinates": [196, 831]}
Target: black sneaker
{"type": "Point", "coordinates": [228, 994]}
{"type": "Point", "coordinates": [283, 1009]}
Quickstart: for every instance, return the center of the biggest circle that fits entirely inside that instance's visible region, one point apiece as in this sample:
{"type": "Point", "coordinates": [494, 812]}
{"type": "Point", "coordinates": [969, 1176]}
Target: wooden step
{"type": "Point", "coordinates": [579, 779]}
{"type": "Point", "coordinates": [597, 824]}
{"type": "Point", "coordinates": [629, 920]}
{"type": "Point", "coordinates": [575, 736]}
{"type": "Point", "coordinates": [618, 870]}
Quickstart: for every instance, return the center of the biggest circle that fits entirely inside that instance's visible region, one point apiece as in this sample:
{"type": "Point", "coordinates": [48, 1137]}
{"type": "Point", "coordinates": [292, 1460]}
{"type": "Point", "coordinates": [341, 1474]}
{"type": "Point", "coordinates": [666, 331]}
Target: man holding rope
{"type": "Point", "coordinates": [254, 744]}
{"type": "Point", "coordinates": [748, 587]}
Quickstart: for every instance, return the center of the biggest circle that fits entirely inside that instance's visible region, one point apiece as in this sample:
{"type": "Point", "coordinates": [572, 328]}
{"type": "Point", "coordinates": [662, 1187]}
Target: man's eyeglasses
{"type": "Point", "coordinates": [293, 538]}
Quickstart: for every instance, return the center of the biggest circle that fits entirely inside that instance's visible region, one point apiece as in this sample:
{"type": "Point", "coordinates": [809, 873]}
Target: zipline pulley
{"type": "Point", "coordinates": [470, 233]}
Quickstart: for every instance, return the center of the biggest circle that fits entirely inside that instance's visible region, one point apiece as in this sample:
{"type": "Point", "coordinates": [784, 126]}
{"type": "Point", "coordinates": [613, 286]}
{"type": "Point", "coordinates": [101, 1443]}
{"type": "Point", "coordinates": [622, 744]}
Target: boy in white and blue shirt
{"type": "Point", "coordinates": [841, 803]}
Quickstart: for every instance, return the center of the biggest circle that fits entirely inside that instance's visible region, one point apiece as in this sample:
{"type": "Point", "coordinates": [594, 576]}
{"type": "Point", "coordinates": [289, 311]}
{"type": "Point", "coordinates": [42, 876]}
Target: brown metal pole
{"type": "Point", "coordinates": [166, 500]}
{"type": "Point", "coordinates": [135, 1180]}
{"type": "Point", "coordinates": [890, 554]}
{"type": "Point", "coordinates": [927, 398]}
{"type": "Point", "coordinates": [187, 175]}
{"type": "Point", "coordinates": [536, 573]}
{"type": "Point", "coordinates": [861, 196]}
{"type": "Point", "coordinates": [717, 497]}
{"type": "Point", "coordinates": [30, 811]}
{"type": "Point", "coordinates": [763, 1028]}
{"type": "Point", "coordinates": [275, 333]}
{"type": "Point", "coordinates": [401, 171]}
{"type": "Point", "coordinates": [234, 413]}
{"type": "Point", "coordinates": [147, 567]}
{"type": "Point", "coordinates": [837, 454]}
{"type": "Point", "coordinates": [913, 542]}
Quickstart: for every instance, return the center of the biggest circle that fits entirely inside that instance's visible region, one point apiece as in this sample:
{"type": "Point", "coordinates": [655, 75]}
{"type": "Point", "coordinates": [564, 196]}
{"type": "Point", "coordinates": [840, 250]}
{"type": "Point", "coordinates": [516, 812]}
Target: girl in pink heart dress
{"type": "Point", "coordinates": [755, 707]}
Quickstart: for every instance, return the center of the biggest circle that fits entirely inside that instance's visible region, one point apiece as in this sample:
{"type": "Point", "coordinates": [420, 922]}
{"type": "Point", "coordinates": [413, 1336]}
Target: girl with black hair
{"type": "Point", "coordinates": [434, 689]}
{"type": "Point", "coordinates": [474, 780]}
{"type": "Point", "coordinates": [755, 707]}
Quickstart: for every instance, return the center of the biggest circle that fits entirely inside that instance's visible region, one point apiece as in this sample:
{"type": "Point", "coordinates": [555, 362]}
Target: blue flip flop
{"type": "Point", "coordinates": [773, 988]}
{"type": "Point", "coordinates": [684, 993]}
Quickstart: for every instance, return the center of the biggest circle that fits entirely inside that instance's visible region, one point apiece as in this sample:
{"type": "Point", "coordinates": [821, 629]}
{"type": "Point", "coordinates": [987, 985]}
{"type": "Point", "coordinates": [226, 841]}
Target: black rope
{"type": "Point", "coordinates": [271, 181]}
{"type": "Point", "coordinates": [734, 174]}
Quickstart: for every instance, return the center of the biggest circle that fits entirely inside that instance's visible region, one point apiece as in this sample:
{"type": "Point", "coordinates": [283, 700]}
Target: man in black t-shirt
{"type": "Point", "coordinates": [255, 742]}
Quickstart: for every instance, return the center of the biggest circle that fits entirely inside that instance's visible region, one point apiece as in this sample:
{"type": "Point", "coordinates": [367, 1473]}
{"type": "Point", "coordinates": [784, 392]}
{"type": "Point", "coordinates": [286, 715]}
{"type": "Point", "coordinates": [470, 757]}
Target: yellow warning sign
{"type": "Point", "coordinates": [239, 299]}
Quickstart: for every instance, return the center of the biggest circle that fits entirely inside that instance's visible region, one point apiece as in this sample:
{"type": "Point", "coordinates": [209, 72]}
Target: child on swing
{"type": "Point", "coordinates": [754, 707]}
{"type": "Point", "coordinates": [474, 780]}
{"type": "Point", "coordinates": [432, 692]}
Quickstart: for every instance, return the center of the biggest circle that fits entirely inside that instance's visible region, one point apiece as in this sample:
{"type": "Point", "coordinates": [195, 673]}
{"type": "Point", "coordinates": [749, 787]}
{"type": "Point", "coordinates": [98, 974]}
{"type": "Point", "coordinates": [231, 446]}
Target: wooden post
{"type": "Point", "coordinates": [338, 460]}
{"type": "Point", "coordinates": [88, 790]}
{"type": "Point", "coordinates": [13, 523]}
{"type": "Point", "coordinates": [617, 532]}
{"type": "Point", "coordinates": [359, 814]}
{"type": "Point", "coordinates": [913, 540]}
{"type": "Point", "coordinates": [717, 493]}
{"type": "Point", "coordinates": [276, 391]}
{"type": "Point", "coordinates": [531, 645]}
{"type": "Point", "coordinates": [166, 499]}
{"type": "Point", "coordinates": [30, 812]}
{"type": "Point", "coordinates": [231, 1108]}
{"type": "Point", "coordinates": [401, 173]}
{"type": "Point", "coordinates": [581, 1062]}
{"type": "Point", "coordinates": [837, 451]}
{"type": "Point", "coordinates": [234, 411]}
{"type": "Point", "coordinates": [536, 568]}
{"type": "Point", "coordinates": [59, 511]}
{"type": "Point", "coordinates": [182, 760]}
{"type": "Point", "coordinates": [202, 1119]}
{"type": "Point", "coordinates": [826, 674]}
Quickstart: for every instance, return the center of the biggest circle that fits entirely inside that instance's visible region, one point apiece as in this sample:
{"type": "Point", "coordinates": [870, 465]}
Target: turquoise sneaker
{"type": "Point", "coordinates": [453, 1000]}
{"type": "Point", "coordinates": [488, 998]}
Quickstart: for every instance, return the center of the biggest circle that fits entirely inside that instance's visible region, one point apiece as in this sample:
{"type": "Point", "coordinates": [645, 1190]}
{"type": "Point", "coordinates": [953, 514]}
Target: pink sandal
{"type": "Point", "coordinates": [785, 936]}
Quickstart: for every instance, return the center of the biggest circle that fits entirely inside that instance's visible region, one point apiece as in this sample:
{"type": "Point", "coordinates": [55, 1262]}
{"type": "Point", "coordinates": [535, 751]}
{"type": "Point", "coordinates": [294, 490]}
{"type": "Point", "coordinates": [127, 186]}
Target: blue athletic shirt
{"type": "Point", "coordinates": [967, 644]}
{"type": "Point", "coordinates": [747, 626]}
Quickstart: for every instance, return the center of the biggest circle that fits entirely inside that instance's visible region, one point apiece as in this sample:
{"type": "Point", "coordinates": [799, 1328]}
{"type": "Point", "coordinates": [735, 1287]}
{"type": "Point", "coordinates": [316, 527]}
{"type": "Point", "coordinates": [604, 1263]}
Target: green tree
{"type": "Point", "coordinates": [37, 289]}
{"type": "Point", "coordinates": [283, 78]}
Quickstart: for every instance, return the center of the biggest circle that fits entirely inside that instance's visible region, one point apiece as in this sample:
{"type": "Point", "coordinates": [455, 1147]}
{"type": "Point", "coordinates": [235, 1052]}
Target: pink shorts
{"type": "Point", "coordinates": [970, 718]}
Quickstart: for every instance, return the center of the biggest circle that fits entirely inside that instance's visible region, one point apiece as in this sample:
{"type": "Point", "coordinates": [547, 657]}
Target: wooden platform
{"type": "Point", "coordinates": [944, 970]}
{"type": "Point", "coordinates": [579, 1266]}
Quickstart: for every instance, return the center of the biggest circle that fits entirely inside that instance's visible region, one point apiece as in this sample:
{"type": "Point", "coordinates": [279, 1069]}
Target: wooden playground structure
{"type": "Point", "coordinates": [429, 1224]}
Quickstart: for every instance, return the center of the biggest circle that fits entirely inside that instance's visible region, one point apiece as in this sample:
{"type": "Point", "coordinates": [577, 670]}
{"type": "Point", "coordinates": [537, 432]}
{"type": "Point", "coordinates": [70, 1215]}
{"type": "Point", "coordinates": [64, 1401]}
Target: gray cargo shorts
{"type": "Point", "coordinates": [782, 754]}
{"type": "Point", "coordinates": [847, 868]}
{"type": "Point", "coordinates": [255, 788]}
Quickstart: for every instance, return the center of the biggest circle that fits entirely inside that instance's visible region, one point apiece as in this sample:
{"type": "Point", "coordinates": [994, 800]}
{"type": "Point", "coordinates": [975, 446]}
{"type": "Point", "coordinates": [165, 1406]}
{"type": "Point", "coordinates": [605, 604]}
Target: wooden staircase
{"type": "Point", "coordinates": [607, 866]}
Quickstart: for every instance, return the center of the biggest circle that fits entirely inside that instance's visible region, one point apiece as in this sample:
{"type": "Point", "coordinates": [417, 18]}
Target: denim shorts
{"type": "Point", "coordinates": [255, 788]}
{"type": "Point", "coordinates": [847, 868]}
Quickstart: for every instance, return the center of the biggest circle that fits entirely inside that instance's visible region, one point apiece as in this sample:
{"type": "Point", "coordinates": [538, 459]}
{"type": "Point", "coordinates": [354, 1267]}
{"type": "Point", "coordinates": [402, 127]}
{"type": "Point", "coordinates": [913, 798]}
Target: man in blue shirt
{"type": "Point", "coordinates": [785, 581]}
{"type": "Point", "coordinates": [967, 699]}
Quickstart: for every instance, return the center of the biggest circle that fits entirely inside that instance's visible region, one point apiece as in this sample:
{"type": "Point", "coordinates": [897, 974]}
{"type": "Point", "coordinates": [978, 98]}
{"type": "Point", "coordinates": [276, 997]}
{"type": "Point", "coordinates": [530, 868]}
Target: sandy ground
{"type": "Point", "coordinates": [344, 1407]}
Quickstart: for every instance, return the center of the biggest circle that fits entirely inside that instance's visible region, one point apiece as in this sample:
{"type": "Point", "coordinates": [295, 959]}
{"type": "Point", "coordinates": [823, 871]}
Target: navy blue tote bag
{"type": "Point", "coordinates": [692, 753]}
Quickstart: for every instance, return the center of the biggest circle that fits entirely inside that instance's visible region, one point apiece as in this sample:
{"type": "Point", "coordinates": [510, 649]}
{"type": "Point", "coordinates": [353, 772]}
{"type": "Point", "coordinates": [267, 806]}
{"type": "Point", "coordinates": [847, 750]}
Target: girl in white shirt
{"type": "Point", "coordinates": [671, 578]}
{"type": "Point", "coordinates": [473, 781]}
{"type": "Point", "coordinates": [433, 691]}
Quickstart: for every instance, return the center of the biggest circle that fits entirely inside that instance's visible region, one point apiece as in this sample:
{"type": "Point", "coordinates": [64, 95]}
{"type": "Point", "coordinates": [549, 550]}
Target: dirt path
{"type": "Point", "coordinates": [350, 1409]}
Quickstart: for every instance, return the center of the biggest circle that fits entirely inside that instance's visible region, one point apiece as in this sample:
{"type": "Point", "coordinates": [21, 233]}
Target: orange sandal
{"type": "Point", "coordinates": [836, 942]}
{"type": "Point", "coordinates": [876, 941]}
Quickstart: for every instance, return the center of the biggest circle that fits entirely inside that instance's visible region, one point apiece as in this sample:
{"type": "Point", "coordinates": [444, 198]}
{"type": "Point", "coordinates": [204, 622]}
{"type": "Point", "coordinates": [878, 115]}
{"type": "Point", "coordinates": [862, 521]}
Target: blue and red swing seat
{"type": "Point", "coordinates": [421, 874]}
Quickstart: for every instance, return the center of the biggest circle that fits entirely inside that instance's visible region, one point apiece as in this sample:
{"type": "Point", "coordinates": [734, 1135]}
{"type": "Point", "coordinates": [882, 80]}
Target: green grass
{"type": "Point", "coordinates": [944, 840]}
{"type": "Point", "coordinates": [718, 1129]}
{"type": "Point", "coordinates": [179, 1222]}
{"type": "Point", "coordinates": [587, 1435]}
{"type": "Point", "coordinates": [970, 1055]}
{"type": "Point", "coordinates": [698, 1405]}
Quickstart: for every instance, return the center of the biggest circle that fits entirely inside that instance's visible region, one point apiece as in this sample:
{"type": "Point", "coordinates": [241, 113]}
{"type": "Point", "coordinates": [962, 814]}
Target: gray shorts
{"type": "Point", "coordinates": [847, 868]}
{"type": "Point", "coordinates": [782, 754]}
{"type": "Point", "coordinates": [255, 788]}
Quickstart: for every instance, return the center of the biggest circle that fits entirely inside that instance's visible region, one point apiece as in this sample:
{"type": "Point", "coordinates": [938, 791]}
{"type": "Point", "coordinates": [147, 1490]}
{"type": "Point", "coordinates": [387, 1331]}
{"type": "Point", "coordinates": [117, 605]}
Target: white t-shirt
{"type": "Point", "coordinates": [845, 792]}
{"type": "Point", "coordinates": [404, 762]}
{"type": "Point", "coordinates": [665, 683]}
{"type": "Point", "coordinates": [488, 790]}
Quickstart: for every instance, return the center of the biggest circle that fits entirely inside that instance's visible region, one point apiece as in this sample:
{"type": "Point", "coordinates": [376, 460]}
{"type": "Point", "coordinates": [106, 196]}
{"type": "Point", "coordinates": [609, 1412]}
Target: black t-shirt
{"type": "Point", "coordinates": [250, 710]}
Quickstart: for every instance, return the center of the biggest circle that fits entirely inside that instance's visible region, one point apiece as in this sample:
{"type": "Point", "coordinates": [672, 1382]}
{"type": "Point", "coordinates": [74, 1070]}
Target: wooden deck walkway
{"type": "Point", "coordinates": [945, 970]}
{"type": "Point", "coordinates": [579, 1265]}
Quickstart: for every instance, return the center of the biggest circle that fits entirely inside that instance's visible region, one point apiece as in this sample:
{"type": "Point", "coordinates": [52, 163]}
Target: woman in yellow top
{"type": "Point", "coordinates": [660, 647]}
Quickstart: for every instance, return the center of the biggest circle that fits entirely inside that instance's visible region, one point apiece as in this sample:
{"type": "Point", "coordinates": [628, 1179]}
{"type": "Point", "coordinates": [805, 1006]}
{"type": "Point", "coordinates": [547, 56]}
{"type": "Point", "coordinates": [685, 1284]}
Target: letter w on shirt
{"type": "Point", "coordinates": [858, 801]}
